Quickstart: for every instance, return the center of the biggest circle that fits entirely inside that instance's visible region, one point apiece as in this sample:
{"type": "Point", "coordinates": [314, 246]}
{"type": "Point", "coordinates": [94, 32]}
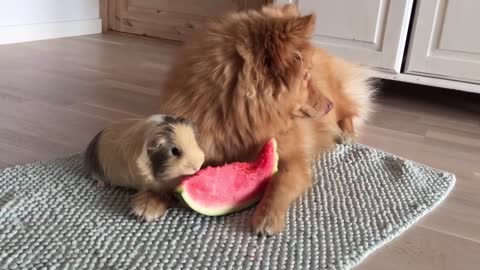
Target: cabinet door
{"type": "Point", "coordinates": [368, 32]}
{"type": "Point", "coordinates": [445, 40]}
{"type": "Point", "coordinates": [170, 19]}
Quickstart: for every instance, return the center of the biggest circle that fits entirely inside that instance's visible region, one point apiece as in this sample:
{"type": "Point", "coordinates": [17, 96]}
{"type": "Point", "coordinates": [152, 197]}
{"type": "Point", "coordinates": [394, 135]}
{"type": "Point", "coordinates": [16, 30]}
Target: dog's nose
{"type": "Point", "coordinates": [328, 106]}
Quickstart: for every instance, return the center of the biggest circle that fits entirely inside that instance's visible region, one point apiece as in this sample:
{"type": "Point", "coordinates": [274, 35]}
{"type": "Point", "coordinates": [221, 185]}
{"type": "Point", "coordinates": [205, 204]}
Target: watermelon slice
{"type": "Point", "coordinates": [215, 191]}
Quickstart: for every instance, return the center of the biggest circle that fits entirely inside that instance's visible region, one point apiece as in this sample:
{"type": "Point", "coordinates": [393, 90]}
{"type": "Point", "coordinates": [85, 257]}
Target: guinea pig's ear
{"type": "Point", "coordinates": [155, 143]}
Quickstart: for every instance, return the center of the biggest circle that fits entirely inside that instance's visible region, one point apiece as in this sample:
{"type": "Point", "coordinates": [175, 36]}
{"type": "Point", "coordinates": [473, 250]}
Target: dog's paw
{"type": "Point", "coordinates": [268, 221]}
{"type": "Point", "coordinates": [148, 206]}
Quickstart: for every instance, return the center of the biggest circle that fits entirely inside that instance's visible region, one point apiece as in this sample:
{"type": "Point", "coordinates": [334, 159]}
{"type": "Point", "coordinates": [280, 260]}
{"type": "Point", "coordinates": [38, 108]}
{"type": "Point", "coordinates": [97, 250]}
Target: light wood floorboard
{"type": "Point", "coordinates": [56, 94]}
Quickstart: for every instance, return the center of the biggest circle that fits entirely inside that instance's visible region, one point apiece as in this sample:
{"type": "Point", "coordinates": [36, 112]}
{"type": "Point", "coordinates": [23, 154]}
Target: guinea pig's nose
{"type": "Point", "coordinates": [195, 168]}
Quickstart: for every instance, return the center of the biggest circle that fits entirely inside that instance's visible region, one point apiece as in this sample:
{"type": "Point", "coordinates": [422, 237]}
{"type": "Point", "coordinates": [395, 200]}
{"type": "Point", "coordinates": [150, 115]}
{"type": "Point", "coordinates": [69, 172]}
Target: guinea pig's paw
{"type": "Point", "coordinates": [102, 185]}
{"type": "Point", "coordinates": [268, 220]}
{"type": "Point", "coordinates": [148, 206]}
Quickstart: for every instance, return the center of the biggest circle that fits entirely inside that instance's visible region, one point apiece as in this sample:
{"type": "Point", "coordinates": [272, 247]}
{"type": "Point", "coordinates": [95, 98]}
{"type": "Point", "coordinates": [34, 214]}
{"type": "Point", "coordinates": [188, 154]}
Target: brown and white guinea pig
{"type": "Point", "coordinates": [149, 155]}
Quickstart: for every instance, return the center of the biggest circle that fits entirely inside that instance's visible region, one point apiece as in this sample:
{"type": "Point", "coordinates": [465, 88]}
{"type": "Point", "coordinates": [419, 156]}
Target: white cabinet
{"type": "Point", "coordinates": [368, 32]}
{"type": "Point", "coordinates": [446, 40]}
{"type": "Point", "coordinates": [444, 44]}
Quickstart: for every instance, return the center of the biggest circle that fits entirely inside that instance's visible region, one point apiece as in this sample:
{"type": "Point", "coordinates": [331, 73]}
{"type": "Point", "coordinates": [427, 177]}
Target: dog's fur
{"type": "Point", "coordinates": [245, 79]}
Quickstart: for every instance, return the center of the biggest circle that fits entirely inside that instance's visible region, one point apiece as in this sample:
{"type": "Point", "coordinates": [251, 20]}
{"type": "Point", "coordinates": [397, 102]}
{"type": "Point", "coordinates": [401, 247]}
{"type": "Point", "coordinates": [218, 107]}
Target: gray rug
{"type": "Point", "coordinates": [52, 217]}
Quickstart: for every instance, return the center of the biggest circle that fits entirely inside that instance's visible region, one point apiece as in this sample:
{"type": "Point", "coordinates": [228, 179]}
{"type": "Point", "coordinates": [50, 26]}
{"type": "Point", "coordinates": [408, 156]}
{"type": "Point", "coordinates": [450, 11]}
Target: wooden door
{"type": "Point", "coordinates": [170, 19]}
{"type": "Point", "coordinates": [445, 40]}
{"type": "Point", "coordinates": [368, 32]}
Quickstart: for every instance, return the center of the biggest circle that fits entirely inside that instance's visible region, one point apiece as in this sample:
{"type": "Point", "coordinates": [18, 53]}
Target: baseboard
{"type": "Point", "coordinates": [430, 81]}
{"type": "Point", "coordinates": [31, 32]}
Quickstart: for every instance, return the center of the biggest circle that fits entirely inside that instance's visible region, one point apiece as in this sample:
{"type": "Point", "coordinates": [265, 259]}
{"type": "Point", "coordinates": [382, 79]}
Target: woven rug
{"type": "Point", "coordinates": [53, 217]}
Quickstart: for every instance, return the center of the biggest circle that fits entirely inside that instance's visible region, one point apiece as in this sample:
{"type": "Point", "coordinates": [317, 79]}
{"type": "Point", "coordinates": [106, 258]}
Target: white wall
{"type": "Point", "coordinates": [27, 20]}
{"type": "Point", "coordinates": [21, 12]}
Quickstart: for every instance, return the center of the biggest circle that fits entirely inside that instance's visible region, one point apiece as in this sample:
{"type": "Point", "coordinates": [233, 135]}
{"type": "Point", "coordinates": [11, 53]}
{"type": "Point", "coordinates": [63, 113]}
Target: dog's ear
{"type": "Point", "coordinates": [281, 11]}
{"type": "Point", "coordinates": [290, 10]}
{"type": "Point", "coordinates": [301, 26]}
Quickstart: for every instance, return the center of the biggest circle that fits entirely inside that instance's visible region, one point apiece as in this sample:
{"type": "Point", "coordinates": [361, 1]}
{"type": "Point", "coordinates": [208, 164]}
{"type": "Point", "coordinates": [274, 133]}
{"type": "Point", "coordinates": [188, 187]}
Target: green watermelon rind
{"type": "Point", "coordinates": [230, 208]}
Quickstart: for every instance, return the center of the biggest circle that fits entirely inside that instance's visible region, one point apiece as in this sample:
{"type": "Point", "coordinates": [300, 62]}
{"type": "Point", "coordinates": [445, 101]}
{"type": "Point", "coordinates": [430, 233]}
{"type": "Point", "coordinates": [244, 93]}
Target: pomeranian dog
{"type": "Point", "coordinates": [250, 76]}
{"type": "Point", "coordinates": [149, 155]}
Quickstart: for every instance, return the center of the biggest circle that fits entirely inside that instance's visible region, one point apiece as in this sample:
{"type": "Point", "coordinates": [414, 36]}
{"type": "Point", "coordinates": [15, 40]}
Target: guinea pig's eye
{"type": "Point", "coordinates": [176, 152]}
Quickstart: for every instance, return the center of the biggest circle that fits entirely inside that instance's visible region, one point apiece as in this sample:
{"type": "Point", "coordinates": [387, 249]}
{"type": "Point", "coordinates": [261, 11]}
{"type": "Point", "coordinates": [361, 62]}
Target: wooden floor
{"type": "Point", "coordinates": [55, 95]}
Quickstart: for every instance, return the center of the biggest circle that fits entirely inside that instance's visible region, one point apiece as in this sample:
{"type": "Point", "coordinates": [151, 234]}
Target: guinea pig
{"type": "Point", "coordinates": [149, 155]}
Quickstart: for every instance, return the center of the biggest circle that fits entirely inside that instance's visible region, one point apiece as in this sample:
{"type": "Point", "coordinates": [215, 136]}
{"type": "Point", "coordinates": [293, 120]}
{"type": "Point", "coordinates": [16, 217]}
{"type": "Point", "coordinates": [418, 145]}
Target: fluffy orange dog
{"type": "Point", "coordinates": [251, 76]}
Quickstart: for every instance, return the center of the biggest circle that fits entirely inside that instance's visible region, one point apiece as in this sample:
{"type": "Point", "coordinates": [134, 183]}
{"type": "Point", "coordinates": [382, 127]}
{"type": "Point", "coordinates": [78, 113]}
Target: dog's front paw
{"type": "Point", "coordinates": [268, 220]}
{"type": "Point", "coordinates": [148, 206]}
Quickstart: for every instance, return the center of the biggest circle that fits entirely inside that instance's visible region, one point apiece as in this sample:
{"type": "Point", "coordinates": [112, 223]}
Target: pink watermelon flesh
{"type": "Point", "coordinates": [215, 191]}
